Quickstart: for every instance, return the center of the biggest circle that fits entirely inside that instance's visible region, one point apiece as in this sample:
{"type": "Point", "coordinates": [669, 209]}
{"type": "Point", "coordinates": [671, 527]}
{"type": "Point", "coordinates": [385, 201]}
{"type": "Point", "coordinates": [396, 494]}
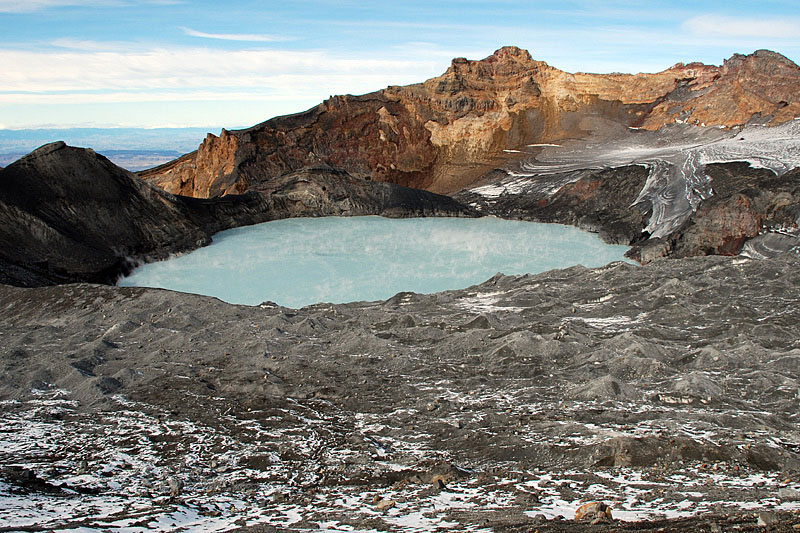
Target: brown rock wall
{"type": "Point", "coordinates": [447, 132]}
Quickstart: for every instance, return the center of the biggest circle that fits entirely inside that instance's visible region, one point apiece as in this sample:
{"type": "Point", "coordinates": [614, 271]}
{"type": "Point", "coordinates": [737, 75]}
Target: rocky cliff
{"type": "Point", "coordinates": [447, 132]}
{"type": "Point", "coordinates": [68, 214]}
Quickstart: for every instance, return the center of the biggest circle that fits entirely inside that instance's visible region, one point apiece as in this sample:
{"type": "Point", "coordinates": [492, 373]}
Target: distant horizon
{"type": "Point", "coordinates": [131, 148]}
{"type": "Point", "coordinates": [115, 127]}
{"type": "Point", "coordinates": [183, 63]}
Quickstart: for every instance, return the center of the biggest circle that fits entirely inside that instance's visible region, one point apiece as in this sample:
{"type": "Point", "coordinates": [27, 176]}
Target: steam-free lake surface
{"type": "Point", "coordinates": [301, 261]}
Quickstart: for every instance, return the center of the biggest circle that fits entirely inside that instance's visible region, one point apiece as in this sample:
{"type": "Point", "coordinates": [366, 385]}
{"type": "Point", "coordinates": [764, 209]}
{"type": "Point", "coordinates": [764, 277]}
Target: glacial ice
{"type": "Point", "coordinates": [676, 157]}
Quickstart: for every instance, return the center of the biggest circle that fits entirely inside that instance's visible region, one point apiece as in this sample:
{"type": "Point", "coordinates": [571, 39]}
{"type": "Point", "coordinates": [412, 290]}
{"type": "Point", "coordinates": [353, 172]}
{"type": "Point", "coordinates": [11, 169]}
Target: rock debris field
{"type": "Point", "coordinates": [668, 394]}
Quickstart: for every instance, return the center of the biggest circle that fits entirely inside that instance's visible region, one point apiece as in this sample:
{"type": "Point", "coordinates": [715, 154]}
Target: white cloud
{"type": "Point", "coordinates": [132, 86]}
{"type": "Point", "coordinates": [738, 27]}
{"type": "Point", "coordinates": [247, 37]}
{"type": "Point", "coordinates": [95, 46]}
{"type": "Point", "coordinates": [123, 97]}
{"type": "Point", "coordinates": [168, 74]}
{"type": "Point", "coordinates": [27, 6]}
{"type": "Point", "coordinates": [200, 68]}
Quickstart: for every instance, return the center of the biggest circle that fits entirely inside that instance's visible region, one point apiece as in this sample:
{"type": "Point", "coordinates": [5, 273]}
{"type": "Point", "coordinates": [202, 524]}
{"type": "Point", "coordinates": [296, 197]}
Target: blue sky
{"type": "Point", "coordinates": [147, 63]}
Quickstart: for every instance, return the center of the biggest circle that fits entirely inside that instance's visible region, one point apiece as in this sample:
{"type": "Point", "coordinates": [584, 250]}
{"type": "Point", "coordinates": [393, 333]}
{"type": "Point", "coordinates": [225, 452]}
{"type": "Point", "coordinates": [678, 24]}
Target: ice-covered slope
{"type": "Point", "coordinates": [676, 158]}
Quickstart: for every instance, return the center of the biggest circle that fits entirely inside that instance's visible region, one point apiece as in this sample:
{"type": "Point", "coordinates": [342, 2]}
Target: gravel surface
{"type": "Point", "coordinates": [669, 393]}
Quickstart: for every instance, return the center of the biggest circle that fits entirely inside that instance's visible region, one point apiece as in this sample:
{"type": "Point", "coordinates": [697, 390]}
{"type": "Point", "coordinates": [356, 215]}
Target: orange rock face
{"type": "Point", "coordinates": [593, 510]}
{"type": "Point", "coordinates": [445, 133]}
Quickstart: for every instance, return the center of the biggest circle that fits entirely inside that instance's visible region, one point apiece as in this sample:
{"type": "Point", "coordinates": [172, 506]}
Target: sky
{"type": "Point", "coordinates": [180, 63]}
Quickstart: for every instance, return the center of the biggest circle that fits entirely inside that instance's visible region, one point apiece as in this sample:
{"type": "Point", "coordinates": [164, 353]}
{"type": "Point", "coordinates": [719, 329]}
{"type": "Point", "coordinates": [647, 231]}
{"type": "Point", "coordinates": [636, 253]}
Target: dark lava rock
{"type": "Point", "coordinates": [322, 190]}
{"type": "Point", "coordinates": [746, 202]}
{"type": "Point", "coordinates": [600, 201]}
{"type": "Point", "coordinates": [26, 480]}
{"type": "Point", "coordinates": [69, 214]}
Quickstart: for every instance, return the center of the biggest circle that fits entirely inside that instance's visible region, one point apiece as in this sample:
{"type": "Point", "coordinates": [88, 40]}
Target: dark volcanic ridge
{"type": "Point", "coordinates": [669, 390]}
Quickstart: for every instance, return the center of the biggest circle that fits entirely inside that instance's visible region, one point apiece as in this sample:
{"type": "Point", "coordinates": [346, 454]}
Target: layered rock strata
{"type": "Point", "coordinates": [447, 132]}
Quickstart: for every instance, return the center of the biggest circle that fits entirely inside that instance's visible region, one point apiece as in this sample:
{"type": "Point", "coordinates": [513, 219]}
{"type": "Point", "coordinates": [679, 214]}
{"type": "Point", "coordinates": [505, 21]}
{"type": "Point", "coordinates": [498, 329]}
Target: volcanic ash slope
{"type": "Point", "coordinates": [664, 390]}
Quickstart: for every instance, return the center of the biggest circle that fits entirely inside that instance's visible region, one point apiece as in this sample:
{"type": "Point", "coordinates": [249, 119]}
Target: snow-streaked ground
{"type": "Point", "coordinates": [675, 156]}
{"type": "Point", "coordinates": [115, 471]}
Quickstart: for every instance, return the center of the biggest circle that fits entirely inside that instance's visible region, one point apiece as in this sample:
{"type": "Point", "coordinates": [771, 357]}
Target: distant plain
{"type": "Point", "coordinates": [131, 148]}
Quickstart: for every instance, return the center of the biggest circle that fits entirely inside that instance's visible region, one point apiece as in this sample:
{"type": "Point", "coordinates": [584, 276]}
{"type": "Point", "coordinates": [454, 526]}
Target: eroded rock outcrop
{"type": "Point", "coordinates": [746, 202]}
{"type": "Point", "coordinates": [69, 214]}
{"type": "Point", "coordinates": [447, 132]}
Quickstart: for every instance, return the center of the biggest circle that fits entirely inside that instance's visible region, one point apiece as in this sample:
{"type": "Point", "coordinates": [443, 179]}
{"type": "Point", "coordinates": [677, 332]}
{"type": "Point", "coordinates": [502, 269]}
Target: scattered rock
{"type": "Point", "coordinates": [594, 511]}
{"type": "Point", "coordinates": [438, 482]}
{"type": "Point", "coordinates": [383, 504]}
{"type": "Point", "coordinates": [175, 486]}
{"type": "Point", "coordinates": [27, 479]}
{"type": "Point", "coordinates": [479, 322]}
{"type": "Point", "coordinates": [789, 494]}
{"type": "Point", "coordinates": [766, 518]}
{"type": "Point", "coordinates": [602, 388]}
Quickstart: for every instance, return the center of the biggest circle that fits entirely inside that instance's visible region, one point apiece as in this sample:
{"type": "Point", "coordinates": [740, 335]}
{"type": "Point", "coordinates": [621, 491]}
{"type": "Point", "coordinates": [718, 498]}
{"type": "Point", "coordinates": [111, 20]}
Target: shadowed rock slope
{"type": "Point", "coordinates": [447, 132]}
{"type": "Point", "coordinates": [68, 214]}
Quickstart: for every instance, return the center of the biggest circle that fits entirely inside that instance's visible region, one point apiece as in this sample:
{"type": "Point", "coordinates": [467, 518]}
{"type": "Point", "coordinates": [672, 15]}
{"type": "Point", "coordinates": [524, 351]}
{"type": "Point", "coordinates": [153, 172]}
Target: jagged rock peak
{"type": "Point", "coordinates": [507, 55]}
{"type": "Point", "coordinates": [760, 57]}
{"type": "Point", "coordinates": [510, 53]}
{"type": "Point", "coordinates": [486, 74]}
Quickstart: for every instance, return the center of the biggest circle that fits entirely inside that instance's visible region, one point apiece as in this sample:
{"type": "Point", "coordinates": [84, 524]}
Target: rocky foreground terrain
{"type": "Point", "coordinates": [664, 391]}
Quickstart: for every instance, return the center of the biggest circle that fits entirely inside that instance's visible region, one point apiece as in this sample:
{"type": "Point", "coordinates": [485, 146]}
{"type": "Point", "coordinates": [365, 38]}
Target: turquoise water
{"type": "Point", "coordinates": [301, 261]}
